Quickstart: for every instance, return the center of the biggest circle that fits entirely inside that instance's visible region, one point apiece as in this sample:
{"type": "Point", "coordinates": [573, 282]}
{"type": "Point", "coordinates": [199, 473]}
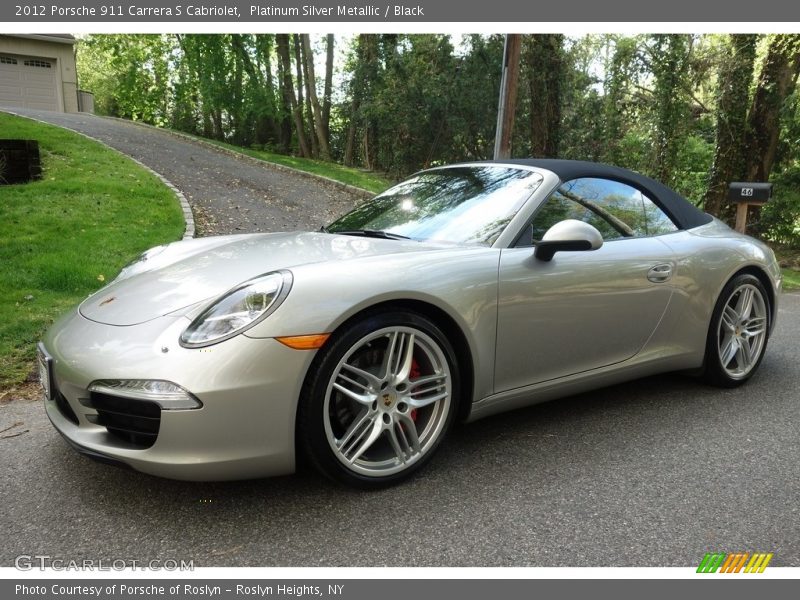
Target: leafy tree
{"type": "Point", "coordinates": [311, 86]}
{"type": "Point", "coordinates": [730, 160]}
{"type": "Point", "coordinates": [668, 58]}
{"type": "Point", "coordinates": [618, 105]}
{"type": "Point", "coordinates": [129, 75]}
{"type": "Point", "coordinates": [543, 62]}
{"type": "Point", "coordinates": [695, 111]}
{"type": "Point", "coordinates": [776, 82]}
{"type": "Point", "coordinates": [328, 90]}
{"type": "Point", "coordinates": [472, 112]}
{"type": "Point", "coordinates": [293, 103]}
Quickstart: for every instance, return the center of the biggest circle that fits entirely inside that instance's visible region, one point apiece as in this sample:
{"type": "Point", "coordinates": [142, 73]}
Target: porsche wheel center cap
{"type": "Point", "coordinates": [388, 399]}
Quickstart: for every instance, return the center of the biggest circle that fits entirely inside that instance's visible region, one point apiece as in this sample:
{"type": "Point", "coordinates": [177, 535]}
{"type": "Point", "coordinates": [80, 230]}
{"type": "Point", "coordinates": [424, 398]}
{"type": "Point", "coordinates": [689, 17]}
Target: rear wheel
{"type": "Point", "coordinates": [379, 399]}
{"type": "Point", "coordinates": [737, 338]}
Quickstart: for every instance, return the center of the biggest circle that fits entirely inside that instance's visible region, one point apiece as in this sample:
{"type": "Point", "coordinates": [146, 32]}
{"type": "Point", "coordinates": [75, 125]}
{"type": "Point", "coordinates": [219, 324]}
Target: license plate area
{"type": "Point", "coordinates": [45, 364]}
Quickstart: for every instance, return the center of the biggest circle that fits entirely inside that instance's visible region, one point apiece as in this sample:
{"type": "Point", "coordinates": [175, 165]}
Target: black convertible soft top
{"type": "Point", "coordinates": [683, 213]}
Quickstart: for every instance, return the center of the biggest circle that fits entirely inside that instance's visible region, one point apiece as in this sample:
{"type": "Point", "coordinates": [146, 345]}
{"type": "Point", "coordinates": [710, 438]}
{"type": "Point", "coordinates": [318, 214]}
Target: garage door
{"type": "Point", "coordinates": [28, 81]}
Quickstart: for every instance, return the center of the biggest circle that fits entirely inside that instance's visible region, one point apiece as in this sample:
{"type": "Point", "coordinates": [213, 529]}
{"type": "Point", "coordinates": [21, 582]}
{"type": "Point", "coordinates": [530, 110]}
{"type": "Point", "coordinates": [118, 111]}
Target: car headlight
{"type": "Point", "coordinates": [238, 310]}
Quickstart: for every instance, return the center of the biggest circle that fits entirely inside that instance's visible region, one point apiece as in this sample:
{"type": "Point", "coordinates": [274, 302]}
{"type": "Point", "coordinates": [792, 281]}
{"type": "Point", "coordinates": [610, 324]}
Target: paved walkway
{"type": "Point", "coordinates": [228, 194]}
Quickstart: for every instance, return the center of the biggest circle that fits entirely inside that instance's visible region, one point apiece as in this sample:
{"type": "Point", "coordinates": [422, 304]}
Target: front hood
{"type": "Point", "coordinates": [192, 271]}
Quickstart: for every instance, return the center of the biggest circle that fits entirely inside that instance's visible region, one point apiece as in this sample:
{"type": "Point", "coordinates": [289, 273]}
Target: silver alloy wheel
{"type": "Point", "coordinates": [742, 331]}
{"type": "Point", "coordinates": [387, 401]}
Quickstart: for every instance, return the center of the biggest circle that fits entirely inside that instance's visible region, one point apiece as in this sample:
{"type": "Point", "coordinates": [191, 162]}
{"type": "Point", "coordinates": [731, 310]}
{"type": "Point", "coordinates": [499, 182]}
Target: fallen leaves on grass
{"type": "Point", "coordinates": [30, 391]}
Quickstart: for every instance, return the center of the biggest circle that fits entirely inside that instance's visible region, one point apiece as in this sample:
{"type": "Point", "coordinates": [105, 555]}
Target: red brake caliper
{"type": "Point", "coordinates": [414, 374]}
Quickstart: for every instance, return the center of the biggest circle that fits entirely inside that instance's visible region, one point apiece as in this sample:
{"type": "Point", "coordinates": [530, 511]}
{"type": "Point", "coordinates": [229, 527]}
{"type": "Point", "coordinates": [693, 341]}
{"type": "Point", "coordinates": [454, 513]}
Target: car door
{"type": "Point", "coordinates": [583, 310]}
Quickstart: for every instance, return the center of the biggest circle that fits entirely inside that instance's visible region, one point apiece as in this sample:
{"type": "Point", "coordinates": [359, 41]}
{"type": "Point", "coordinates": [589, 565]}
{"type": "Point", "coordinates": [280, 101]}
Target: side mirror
{"type": "Point", "coordinates": [571, 235]}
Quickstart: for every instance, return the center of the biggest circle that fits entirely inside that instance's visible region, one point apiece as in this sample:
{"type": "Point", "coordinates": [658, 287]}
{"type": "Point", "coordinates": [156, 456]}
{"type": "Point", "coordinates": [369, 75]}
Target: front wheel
{"type": "Point", "coordinates": [737, 337]}
{"type": "Point", "coordinates": [379, 399]}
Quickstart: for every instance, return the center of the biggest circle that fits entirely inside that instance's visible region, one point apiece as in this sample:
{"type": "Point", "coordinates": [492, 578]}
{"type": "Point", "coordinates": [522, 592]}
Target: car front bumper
{"type": "Point", "coordinates": [248, 389]}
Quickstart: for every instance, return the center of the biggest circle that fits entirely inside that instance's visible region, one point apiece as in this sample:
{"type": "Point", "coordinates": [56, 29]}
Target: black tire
{"type": "Point", "coordinates": [725, 365]}
{"type": "Point", "coordinates": [333, 427]}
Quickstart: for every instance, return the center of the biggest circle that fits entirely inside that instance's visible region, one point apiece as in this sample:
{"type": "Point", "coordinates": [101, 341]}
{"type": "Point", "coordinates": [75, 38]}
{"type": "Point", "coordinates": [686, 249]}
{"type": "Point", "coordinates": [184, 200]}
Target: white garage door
{"type": "Point", "coordinates": [28, 81]}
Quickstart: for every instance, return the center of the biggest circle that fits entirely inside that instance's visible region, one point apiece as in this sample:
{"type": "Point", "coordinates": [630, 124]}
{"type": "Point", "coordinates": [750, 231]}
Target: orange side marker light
{"type": "Point", "coordinates": [304, 342]}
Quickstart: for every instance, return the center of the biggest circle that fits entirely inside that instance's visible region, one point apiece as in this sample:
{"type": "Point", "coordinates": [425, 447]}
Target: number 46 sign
{"type": "Point", "coordinates": [747, 194]}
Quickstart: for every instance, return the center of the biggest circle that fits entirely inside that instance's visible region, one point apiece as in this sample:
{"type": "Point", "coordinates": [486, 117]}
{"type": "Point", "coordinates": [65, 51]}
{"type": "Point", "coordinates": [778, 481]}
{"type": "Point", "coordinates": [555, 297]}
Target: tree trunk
{"type": "Point", "coordinates": [311, 87]}
{"type": "Point", "coordinates": [367, 143]}
{"type": "Point", "coordinates": [237, 92]}
{"type": "Point", "coordinates": [730, 161]}
{"type": "Point", "coordinates": [264, 114]}
{"type": "Point", "coordinates": [545, 65]}
{"type": "Point", "coordinates": [326, 95]}
{"type": "Point", "coordinates": [285, 97]}
{"type": "Point", "coordinates": [208, 128]}
{"type": "Point", "coordinates": [507, 105]}
{"type": "Point", "coordinates": [305, 110]}
{"type": "Point", "coordinates": [350, 144]}
{"type": "Point", "coordinates": [219, 131]}
{"type": "Point", "coordinates": [286, 67]}
{"type": "Point", "coordinates": [308, 111]}
{"type": "Point", "coordinates": [356, 91]}
{"type": "Point", "coordinates": [617, 79]}
{"type": "Point", "coordinates": [370, 67]}
{"type": "Point", "coordinates": [266, 53]}
{"type": "Point", "coordinates": [668, 58]}
{"type": "Point", "coordinates": [775, 82]}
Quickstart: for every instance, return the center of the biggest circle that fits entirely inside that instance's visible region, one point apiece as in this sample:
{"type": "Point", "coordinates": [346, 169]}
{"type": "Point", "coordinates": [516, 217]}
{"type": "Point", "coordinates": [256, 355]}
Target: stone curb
{"type": "Point", "coordinates": [188, 217]}
{"type": "Point", "coordinates": [362, 193]}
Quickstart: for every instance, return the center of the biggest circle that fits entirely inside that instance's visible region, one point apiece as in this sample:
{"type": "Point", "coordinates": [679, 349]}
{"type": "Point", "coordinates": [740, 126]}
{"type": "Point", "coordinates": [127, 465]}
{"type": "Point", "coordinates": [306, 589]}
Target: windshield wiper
{"type": "Point", "coordinates": [373, 233]}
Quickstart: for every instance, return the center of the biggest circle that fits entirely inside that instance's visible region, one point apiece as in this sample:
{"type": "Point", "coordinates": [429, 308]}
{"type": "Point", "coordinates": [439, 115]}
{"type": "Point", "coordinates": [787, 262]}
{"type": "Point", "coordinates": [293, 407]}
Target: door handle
{"type": "Point", "coordinates": [660, 273]}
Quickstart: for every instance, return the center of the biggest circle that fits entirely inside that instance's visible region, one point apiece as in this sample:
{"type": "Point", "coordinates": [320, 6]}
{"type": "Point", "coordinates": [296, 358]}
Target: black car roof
{"type": "Point", "coordinates": [685, 214]}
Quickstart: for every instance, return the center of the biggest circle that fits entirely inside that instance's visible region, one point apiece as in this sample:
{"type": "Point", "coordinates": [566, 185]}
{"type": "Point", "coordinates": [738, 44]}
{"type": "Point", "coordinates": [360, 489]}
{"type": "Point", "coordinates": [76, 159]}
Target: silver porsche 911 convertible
{"type": "Point", "coordinates": [461, 292]}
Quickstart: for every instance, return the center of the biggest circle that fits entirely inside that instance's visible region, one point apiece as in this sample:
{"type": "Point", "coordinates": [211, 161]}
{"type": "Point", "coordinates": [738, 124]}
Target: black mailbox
{"type": "Point", "coordinates": [743, 191]}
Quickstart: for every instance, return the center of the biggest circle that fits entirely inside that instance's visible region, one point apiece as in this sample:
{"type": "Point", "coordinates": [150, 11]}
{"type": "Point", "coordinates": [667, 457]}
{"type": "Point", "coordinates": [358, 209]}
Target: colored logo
{"type": "Point", "coordinates": [735, 562]}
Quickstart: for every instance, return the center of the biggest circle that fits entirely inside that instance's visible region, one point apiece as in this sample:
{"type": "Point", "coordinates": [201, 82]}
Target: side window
{"type": "Point", "coordinates": [617, 210]}
{"type": "Point", "coordinates": [657, 220]}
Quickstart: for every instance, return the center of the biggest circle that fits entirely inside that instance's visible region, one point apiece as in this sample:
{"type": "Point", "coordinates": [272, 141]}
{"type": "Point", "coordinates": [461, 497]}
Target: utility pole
{"type": "Point", "coordinates": [508, 96]}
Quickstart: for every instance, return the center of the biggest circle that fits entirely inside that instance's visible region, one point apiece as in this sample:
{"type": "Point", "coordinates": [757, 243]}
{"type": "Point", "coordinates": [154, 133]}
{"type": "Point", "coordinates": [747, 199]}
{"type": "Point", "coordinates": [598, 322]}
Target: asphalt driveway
{"type": "Point", "coordinates": [228, 194]}
{"type": "Point", "coordinates": [651, 473]}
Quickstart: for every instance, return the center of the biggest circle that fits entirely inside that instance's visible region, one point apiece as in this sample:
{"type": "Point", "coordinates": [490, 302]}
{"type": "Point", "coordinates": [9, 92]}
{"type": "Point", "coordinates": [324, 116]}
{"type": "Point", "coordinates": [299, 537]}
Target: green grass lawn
{"type": "Point", "coordinates": [356, 177]}
{"type": "Point", "coordinates": [790, 255]}
{"type": "Point", "coordinates": [62, 237]}
{"type": "Point", "coordinates": [791, 279]}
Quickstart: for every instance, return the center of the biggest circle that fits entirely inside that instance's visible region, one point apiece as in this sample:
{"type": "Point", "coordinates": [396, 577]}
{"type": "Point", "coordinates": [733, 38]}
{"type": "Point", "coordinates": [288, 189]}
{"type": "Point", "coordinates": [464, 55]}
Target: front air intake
{"type": "Point", "coordinates": [133, 420]}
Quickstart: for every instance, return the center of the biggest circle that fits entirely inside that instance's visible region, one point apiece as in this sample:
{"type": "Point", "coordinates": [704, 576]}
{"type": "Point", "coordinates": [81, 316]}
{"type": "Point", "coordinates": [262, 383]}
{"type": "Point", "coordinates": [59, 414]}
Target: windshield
{"type": "Point", "coordinates": [459, 205]}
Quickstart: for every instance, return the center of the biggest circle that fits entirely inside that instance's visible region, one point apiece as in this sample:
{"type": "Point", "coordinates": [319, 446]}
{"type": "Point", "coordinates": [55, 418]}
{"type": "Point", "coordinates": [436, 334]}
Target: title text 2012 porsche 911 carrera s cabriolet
{"type": "Point", "coordinates": [461, 292]}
